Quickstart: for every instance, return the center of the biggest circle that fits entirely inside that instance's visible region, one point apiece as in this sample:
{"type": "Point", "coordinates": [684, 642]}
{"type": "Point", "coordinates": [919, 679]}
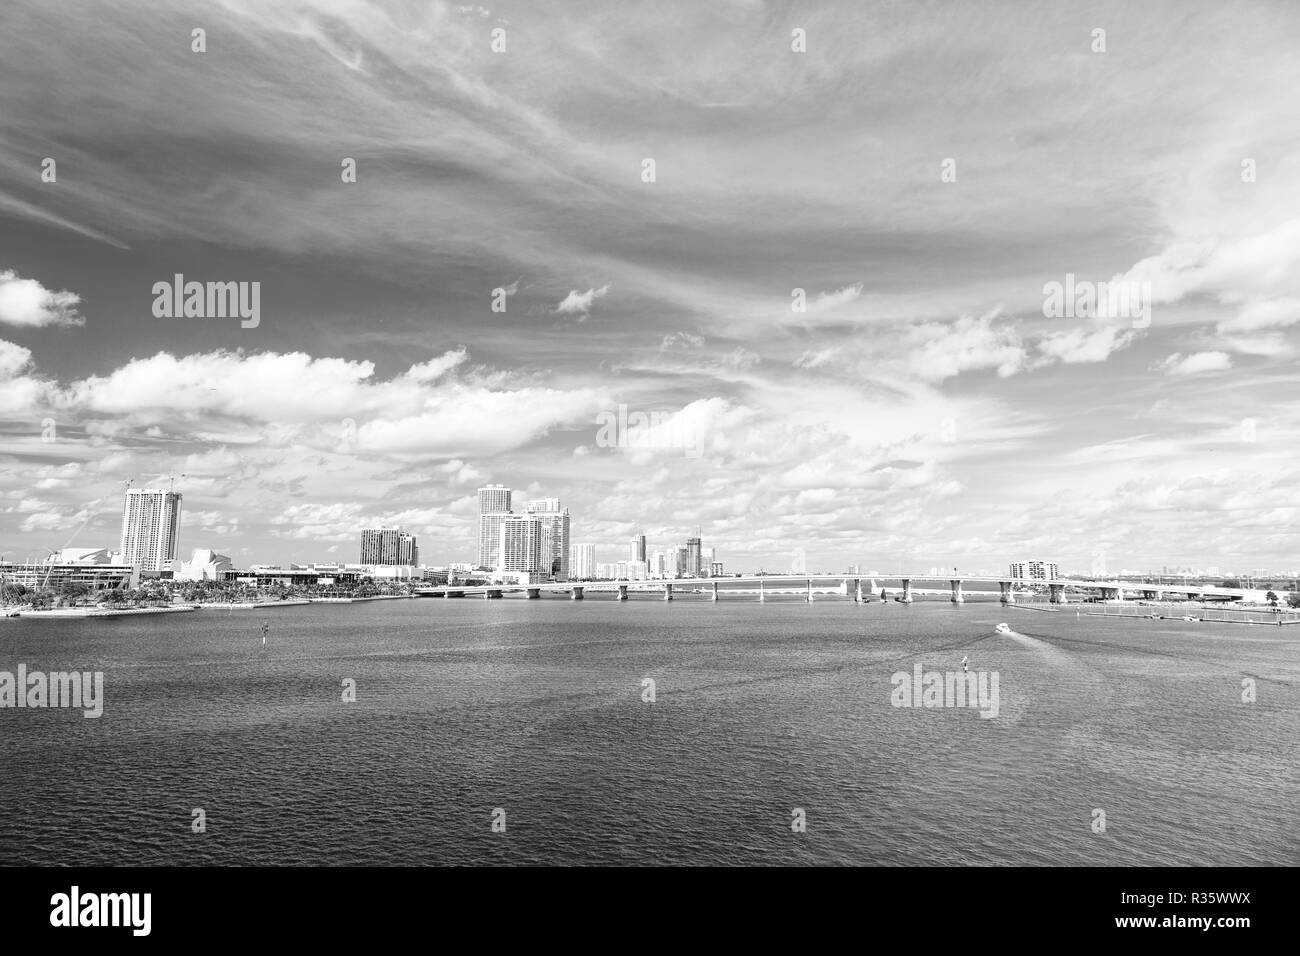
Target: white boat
{"type": "Point", "coordinates": [1003, 629]}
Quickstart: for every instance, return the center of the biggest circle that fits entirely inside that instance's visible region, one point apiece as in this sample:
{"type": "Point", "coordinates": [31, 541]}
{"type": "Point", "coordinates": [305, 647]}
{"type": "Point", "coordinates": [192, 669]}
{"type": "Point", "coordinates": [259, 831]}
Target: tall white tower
{"type": "Point", "coordinates": [151, 521]}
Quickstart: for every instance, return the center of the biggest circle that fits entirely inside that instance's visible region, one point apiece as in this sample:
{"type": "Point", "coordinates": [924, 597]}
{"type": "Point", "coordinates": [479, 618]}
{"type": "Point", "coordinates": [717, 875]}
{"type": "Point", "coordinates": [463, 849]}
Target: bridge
{"type": "Point", "coordinates": [861, 588]}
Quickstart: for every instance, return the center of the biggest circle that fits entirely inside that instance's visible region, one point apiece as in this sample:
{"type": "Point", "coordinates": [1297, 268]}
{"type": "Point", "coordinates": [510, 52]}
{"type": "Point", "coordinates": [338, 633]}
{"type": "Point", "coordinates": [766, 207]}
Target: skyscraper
{"type": "Point", "coordinates": [555, 536]}
{"type": "Point", "coordinates": [638, 547]}
{"type": "Point", "coordinates": [150, 526]}
{"type": "Point", "coordinates": [493, 506]}
{"type": "Point", "coordinates": [659, 565]}
{"type": "Point", "coordinates": [582, 562]}
{"type": "Point", "coordinates": [694, 557]}
{"type": "Point", "coordinates": [388, 546]}
{"type": "Point", "coordinates": [489, 538]}
{"type": "Point", "coordinates": [521, 545]}
{"type": "Point", "coordinates": [494, 499]}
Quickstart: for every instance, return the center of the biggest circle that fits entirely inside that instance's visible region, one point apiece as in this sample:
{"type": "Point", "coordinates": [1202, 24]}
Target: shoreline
{"type": "Point", "coordinates": [74, 612]}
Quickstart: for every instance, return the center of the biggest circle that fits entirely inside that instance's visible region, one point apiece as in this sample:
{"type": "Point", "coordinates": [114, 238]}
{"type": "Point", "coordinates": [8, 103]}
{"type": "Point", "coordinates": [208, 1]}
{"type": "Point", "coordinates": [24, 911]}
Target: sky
{"type": "Point", "coordinates": [822, 309]}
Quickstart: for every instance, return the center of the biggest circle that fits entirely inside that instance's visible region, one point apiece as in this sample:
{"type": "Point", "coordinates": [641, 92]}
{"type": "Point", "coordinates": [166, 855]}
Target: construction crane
{"type": "Point", "coordinates": [50, 557]}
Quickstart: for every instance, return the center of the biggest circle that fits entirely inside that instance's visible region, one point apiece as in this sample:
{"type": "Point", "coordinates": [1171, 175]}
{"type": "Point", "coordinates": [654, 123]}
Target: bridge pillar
{"type": "Point", "coordinates": [1008, 592]}
{"type": "Point", "coordinates": [1119, 594]}
{"type": "Point", "coordinates": [575, 594]}
{"type": "Point", "coordinates": [762, 598]}
{"type": "Point", "coordinates": [715, 590]}
{"type": "Point", "coordinates": [809, 599]}
{"type": "Point", "coordinates": [622, 592]}
{"type": "Point", "coordinates": [1057, 593]}
{"type": "Point", "coordinates": [956, 592]}
{"type": "Point", "coordinates": [668, 592]}
{"type": "Point", "coordinates": [534, 594]}
{"type": "Point", "coordinates": [857, 590]}
{"type": "Point", "coordinates": [907, 591]}
{"type": "Point", "coordinates": [446, 595]}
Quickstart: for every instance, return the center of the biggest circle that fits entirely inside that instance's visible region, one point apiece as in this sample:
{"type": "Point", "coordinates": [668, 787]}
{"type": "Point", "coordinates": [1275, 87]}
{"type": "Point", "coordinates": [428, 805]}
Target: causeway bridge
{"type": "Point", "coordinates": [861, 588]}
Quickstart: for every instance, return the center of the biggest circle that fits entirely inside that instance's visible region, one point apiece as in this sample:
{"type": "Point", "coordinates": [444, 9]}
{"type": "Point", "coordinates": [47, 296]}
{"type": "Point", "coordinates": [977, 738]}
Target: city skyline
{"type": "Point", "coordinates": [827, 324]}
{"type": "Point", "coordinates": [151, 522]}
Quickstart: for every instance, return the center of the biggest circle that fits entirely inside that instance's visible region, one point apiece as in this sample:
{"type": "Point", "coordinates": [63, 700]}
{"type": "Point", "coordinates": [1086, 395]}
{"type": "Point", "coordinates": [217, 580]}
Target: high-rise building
{"type": "Point", "coordinates": [638, 547]}
{"type": "Point", "coordinates": [388, 546]}
{"type": "Point", "coordinates": [150, 525]}
{"type": "Point", "coordinates": [493, 506]}
{"type": "Point", "coordinates": [679, 561]}
{"type": "Point", "coordinates": [1035, 570]}
{"type": "Point", "coordinates": [582, 562]}
{"type": "Point", "coordinates": [694, 557]}
{"type": "Point", "coordinates": [659, 565]}
{"type": "Point", "coordinates": [521, 545]}
{"type": "Point", "coordinates": [555, 536]}
{"type": "Point", "coordinates": [489, 538]}
{"type": "Point", "coordinates": [494, 499]}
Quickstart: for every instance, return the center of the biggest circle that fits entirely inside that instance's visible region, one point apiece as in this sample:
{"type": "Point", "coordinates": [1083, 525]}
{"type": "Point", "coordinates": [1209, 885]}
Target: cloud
{"type": "Point", "coordinates": [13, 358]}
{"type": "Point", "coordinates": [681, 340]}
{"type": "Point", "coordinates": [1263, 314]}
{"type": "Point", "coordinates": [941, 351]}
{"type": "Point", "coordinates": [827, 301]}
{"type": "Point", "coordinates": [1179, 364]}
{"type": "Point", "coordinates": [25, 302]}
{"type": "Point", "coordinates": [817, 358]}
{"type": "Point", "coordinates": [579, 303]}
{"type": "Point", "coordinates": [1081, 345]}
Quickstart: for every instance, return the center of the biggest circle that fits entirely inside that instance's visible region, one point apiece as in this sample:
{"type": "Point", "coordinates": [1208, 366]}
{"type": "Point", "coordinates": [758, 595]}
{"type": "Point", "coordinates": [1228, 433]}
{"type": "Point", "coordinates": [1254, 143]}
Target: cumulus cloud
{"type": "Point", "coordinates": [941, 351]}
{"type": "Point", "coordinates": [1258, 276]}
{"type": "Point", "coordinates": [580, 303]}
{"type": "Point", "coordinates": [826, 301]}
{"type": "Point", "coordinates": [25, 302]}
{"type": "Point", "coordinates": [1083, 345]}
{"type": "Point", "coordinates": [13, 358]}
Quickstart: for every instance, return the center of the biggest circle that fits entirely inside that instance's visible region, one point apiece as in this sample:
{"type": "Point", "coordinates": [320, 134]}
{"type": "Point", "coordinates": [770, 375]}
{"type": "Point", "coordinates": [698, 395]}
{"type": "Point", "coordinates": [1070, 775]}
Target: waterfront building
{"type": "Point", "coordinates": [638, 547]}
{"type": "Point", "coordinates": [694, 557]}
{"type": "Point", "coordinates": [493, 499]}
{"type": "Point", "coordinates": [204, 565]}
{"type": "Point", "coordinates": [54, 574]}
{"type": "Point", "coordinates": [489, 539]}
{"type": "Point", "coordinates": [150, 526]}
{"type": "Point", "coordinates": [493, 506]}
{"type": "Point", "coordinates": [388, 546]}
{"type": "Point", "coordinates": [582, 562]}
{"type": "Point", "coordinates": [555, 536]}
{"type": "Point", "coordinates": [520, 547]}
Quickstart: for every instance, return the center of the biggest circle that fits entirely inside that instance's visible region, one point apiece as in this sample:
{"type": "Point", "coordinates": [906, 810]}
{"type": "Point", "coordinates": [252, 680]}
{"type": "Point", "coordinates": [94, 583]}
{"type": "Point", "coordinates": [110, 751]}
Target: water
{"type": "Point", "coordinates": [535, 707]}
